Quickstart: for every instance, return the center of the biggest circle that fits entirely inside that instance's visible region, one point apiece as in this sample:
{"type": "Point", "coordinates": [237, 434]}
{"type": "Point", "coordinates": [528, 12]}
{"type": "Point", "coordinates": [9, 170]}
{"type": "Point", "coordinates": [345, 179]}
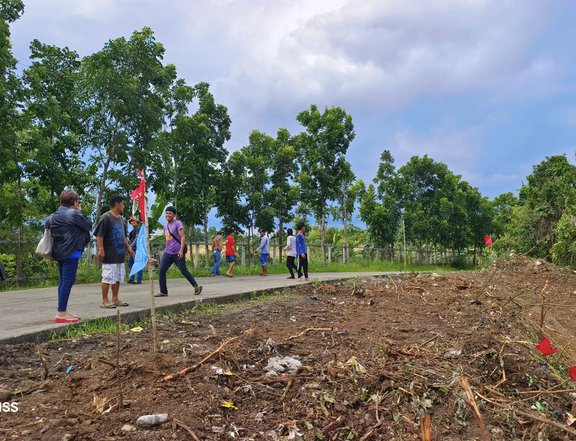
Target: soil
{"type": "Point", "coordinates": [412, 357]}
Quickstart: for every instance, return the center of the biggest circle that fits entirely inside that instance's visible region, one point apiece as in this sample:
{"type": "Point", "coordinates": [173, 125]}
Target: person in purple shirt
{"type": "Point", "coordinates": [174, 253]}
{"type": "Point", "coordinates": [301, 251]}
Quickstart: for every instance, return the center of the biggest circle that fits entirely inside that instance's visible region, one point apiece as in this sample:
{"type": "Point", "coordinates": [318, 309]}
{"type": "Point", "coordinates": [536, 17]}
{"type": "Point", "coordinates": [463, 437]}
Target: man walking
{"type": "Point", "coordinates": [133, 239]}
{"type": "Point", "coordinates": [217, 252]}
{"type": "Point", "coordinates": [231, 253]}
{"type": "Point", "coordinates": [264, 250]}
{"type": "Point", "coordinates": [174, 253]}
{"type": "Point", "coordinates": [112, 246]}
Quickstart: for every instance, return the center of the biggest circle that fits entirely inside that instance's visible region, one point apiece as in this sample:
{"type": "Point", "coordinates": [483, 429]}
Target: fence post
{"type": "Point", "coordinates": [242, 254]}
{"type": "Point", "coordinates": [196, 254]}
{"type": "Point", "coordinates": [329, 253]}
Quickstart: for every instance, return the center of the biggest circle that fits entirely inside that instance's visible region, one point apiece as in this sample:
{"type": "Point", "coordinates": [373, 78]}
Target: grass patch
{"type": "Point", "coordinates": [90, 327]}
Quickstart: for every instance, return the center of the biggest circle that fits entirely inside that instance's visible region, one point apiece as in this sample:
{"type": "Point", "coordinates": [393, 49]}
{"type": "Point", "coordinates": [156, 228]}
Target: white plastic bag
{"type": "Point", "coordinates": [46, 244]}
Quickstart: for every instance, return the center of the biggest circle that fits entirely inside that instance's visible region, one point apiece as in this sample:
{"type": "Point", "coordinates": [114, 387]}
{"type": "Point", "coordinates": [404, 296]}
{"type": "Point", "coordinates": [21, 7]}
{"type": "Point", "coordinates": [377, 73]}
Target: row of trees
{"type": "Point", "coordinates": [89, 122]}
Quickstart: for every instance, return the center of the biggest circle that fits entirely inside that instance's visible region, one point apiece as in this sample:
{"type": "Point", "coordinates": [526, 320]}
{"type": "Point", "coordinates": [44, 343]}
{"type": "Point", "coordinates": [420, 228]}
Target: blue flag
{"type": "Point", "coordinates": [141, 258]}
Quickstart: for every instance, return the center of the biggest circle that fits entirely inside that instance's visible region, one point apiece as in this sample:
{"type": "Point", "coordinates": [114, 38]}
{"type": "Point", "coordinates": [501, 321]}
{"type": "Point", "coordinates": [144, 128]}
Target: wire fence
{"type": "Point", "coordinates": [24, 267]}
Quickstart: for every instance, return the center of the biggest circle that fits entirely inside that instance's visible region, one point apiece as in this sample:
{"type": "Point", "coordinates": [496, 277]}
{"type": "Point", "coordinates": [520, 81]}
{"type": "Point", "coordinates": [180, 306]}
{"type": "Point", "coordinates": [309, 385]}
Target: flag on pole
{"type": "Point", "coordinates": [139, 195]}
{"type": "Point", "coordinates": [141, 257]}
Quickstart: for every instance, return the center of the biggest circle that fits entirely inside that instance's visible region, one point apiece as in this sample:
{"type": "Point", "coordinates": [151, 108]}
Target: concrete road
{"type": "Point", "coordinates": [28, 315]}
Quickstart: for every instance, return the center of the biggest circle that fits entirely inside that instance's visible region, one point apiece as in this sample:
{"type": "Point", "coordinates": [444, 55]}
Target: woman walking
{"type": "Point", "coordinates": [70, 233]}
{"type": "Point", "coordinates": [290, 249]}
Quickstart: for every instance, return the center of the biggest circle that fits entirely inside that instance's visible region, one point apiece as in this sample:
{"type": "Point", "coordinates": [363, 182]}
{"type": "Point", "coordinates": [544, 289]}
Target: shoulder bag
{"type": "Point", "coordinates": [46, 244]}
{"type": "Point", "coordinates": [178, 240]}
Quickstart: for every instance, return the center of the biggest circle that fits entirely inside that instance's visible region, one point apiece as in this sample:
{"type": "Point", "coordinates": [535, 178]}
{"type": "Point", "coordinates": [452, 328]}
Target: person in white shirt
{"type": "Point", "coordinates": [290, 249]}
{"type": "Point", "coordinates": [264, 250]}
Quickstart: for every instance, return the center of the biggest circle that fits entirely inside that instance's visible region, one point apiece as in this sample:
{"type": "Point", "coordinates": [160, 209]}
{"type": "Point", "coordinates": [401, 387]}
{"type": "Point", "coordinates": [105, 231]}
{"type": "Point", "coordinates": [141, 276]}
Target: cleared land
{"type": "Point", "coordinates": [449, 357]}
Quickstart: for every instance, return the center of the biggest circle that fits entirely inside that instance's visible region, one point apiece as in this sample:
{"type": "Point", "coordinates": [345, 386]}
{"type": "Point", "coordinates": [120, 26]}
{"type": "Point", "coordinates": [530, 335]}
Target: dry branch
{"type": "Point", "coordinates": [43, 363]}
{"type": "Point", "coordinates": [425, 428]}
{"type": "Point", "coordinates": [187, 429]}
{"type": "Point", "coordinates": [209, 356]}
{"type": "Point", "coordinates": [463, 383]}
{"type": "Point", "coordinates": [292, 337]}
{"type": "Point", "coordinates": [531, 416]}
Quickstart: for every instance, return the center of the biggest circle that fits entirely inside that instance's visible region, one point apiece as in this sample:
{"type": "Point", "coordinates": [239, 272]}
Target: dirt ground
{"type": "Point", "coordinates": [414, 357]}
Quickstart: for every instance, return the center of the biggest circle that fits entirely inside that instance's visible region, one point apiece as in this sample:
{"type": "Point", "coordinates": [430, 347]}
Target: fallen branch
{"type": "Point", "coordinates": [425, 428]}
{"type": "Point", "coordinates": [414, 287]}
{"type": "Point", "coordinates": [208, 357]}
{"type": "Point", "coordinates": [330, 427]}
{"type": "Point", "coordinates": [187, 429]}
{"type": "Point", "coordinates": [531, 416]}
{"type": "Point", "coordinates": [308, 330]}
{"type": "Point", "coordinates": [292, 378]}
{"type": "Point", "coordinates": [463, 383]}
{"type": "Point", "coordinates": [20, 393]}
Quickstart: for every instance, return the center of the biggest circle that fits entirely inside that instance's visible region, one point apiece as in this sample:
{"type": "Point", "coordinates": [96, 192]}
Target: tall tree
{"type": "Point", "coordinates": [122, 87]}
{"type": "Point", "coordinates": [198, 154]}
{"type": "Point", "coordinates": [255, 181]}
{"type": "Point", "coordinates": [12, 149]}
{"type": "Point", "coordinates": [380, 208]}
{"type": "Point", "coordinates": [52, 112]}
{"type": "Point", "coordinates": [283, 169]}
{"type": "Point", "coordinates": [350, 191]}
{"type": "Point", "coordinates": [321, 150]}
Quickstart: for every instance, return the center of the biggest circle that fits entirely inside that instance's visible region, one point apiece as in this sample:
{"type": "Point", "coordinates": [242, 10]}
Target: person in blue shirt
{"type": "Point", "coordinates": [301, 251]}
{"type": "Point", "coordinates": [264, 250]}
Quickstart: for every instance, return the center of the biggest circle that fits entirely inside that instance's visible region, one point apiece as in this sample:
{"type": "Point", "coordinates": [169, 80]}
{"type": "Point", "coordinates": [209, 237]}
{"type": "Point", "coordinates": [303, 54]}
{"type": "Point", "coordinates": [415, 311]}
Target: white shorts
{"type": "Point", "coordinates": [113, 273]}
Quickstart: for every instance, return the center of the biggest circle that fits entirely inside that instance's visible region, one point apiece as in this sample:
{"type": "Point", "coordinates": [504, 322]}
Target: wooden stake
{"type": "Point", "coordinates": [118, 370]}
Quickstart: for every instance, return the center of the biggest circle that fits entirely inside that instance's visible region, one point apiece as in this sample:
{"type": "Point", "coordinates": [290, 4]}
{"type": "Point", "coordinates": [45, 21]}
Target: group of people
{"type": "Point", "coordinates": [231, 254]}
{"type": "Point", "coordinates": [295, 248]}
{"type": "Point", "coordinates": [70, 230]}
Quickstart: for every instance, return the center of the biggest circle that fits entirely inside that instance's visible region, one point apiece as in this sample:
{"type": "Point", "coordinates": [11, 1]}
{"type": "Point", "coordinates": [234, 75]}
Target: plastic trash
{"type": "Point", "coordinates": [152, 420]}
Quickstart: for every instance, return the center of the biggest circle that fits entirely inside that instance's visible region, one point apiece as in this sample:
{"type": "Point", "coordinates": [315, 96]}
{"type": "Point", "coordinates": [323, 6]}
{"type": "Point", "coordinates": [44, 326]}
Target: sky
{"type": "Point", "coordinates": [487, 87]}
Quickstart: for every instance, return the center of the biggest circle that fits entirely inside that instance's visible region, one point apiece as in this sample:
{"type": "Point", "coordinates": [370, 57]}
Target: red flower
{"type": "Point", "coordinates": [488, 240]}
{"type": "Point", "coordinates": [572, 372]}
{"type": "Point", "coordinates": [545, 347]}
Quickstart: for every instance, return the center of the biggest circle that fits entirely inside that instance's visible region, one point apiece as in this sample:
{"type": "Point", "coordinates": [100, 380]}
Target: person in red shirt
{"type": "Point", "coordinates": [231, 253]}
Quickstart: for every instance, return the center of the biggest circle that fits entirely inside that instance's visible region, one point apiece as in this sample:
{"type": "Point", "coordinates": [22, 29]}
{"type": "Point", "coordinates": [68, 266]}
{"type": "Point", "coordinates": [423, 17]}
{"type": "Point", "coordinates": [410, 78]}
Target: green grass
{"type": "Point", "coordinates": [98, 326]}
{"type": "Point", "coordinates": [109, 325]}
{"type": "Point", "coordinates": [92, 274]}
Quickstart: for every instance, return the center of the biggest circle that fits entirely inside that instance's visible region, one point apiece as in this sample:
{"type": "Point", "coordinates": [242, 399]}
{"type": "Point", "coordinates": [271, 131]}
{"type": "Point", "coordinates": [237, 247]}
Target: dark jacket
{"type": "Point", "coordinates": [70, 231]}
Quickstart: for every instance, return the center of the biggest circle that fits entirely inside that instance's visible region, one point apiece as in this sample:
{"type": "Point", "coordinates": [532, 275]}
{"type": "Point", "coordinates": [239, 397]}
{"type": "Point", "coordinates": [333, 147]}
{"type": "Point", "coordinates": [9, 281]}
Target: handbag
{"type": "Point", "coordinates": [178, 240]}
{"type": "Point", "coordinates": [46, 244]}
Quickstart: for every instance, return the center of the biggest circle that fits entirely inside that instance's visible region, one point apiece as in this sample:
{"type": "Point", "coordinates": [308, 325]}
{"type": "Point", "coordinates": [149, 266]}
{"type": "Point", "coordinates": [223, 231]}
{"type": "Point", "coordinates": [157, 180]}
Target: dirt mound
{"type": "Point", "coordinates": [449, 356]}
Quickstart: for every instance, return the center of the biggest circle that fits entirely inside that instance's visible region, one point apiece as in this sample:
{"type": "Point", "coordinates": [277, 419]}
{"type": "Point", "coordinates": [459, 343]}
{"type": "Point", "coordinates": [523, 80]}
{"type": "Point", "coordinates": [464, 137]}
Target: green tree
{"type": "Point", "coordinates": [550, 191]}
{"type": "Point", "coordinates": [52, 114]}
{"type": "Point", "coordinates": [439, 208]}
{"type": "Point", "coordinates": [321, 150]}
{"type": "Point", "coordinates": [283, 169]}
{"type": "Point", "coordinates": [564, 249]}
{"type": "Point", "coordinates": [195, 145]}
{"type": "Point", "coordinates": [351, 191]}
{"type": "Point", "coordinates": [380, 208]}
{"type": "Point", "coordinates": [122, 88]}
{"type": "Point", "coordinates": [12, 149]}
{"type": "Point", "coordinates": [502, 209]}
